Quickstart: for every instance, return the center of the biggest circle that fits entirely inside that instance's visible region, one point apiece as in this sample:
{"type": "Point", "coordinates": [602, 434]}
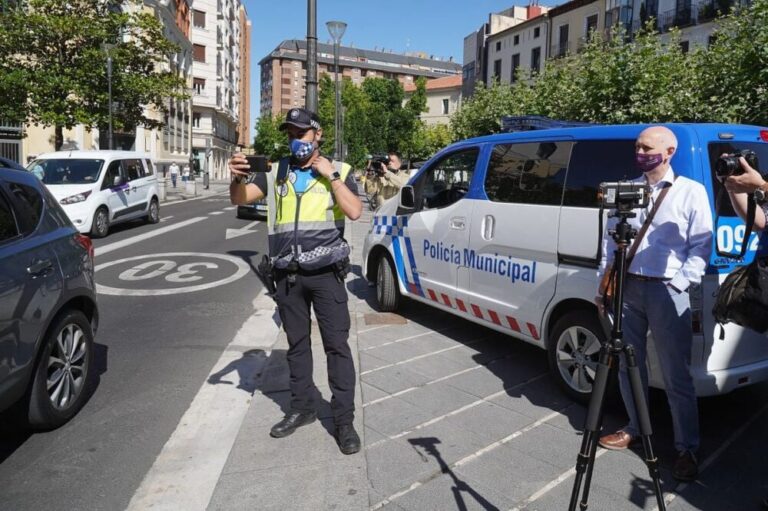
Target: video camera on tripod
{"type": "Point", "coordinates": [623, 196]}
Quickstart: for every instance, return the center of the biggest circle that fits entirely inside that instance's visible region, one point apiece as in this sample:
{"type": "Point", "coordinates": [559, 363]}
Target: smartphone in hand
{"type": "Point", "coordinates": [257, 163]}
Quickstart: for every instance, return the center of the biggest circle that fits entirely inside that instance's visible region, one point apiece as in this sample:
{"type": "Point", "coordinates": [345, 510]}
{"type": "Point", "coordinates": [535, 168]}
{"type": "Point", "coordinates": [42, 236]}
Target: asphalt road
{"type": "Point", "coordinates": [153, 351]}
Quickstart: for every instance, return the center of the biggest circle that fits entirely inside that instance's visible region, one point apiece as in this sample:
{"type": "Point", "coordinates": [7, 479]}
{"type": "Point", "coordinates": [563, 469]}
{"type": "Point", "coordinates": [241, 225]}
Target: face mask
{"type": "Point", "coordinates": [302, 150]}
{"type": "Point", "coordinates": [648, 162]}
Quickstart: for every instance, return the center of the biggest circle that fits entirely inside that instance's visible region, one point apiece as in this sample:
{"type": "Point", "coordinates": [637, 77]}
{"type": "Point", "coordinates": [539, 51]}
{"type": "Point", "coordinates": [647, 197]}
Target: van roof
{"type": "Point", "coordinates": [100, 154]}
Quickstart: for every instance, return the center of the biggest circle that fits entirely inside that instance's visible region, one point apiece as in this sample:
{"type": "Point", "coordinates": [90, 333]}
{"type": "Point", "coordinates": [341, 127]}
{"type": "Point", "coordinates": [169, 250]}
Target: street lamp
{"type": "Point", "coordinates": [107, 47]}
{"type": "Point", "coordinates": [336, 29]}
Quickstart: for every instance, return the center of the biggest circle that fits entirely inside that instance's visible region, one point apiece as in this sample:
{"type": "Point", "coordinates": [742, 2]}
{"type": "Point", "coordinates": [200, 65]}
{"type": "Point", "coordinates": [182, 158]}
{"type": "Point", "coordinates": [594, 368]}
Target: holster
{"type": "Point", "coordinates": [341, 269]}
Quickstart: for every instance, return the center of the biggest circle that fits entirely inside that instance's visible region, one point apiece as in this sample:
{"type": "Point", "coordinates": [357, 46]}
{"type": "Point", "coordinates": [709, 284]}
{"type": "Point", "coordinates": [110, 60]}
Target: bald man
{"type": "Point", "coordinates": [671, 256]}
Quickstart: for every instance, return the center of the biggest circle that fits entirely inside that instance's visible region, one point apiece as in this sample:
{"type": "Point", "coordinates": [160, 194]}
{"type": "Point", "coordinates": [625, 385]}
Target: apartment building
{"type": "Point", "coordinates": [572, 22]}
{"type": "Point", "coordinates": [244, 90]}
{"type": "Point", "coordinates": [171, 143]}
{"type": "Point", "coordinates": [217, 87]}
{"type": "Point", "coordinates": [443, 98]}
{"type": "Point", "coordinates": [521, 46]}
{"type": "Point", "coordinates": [283, 71]}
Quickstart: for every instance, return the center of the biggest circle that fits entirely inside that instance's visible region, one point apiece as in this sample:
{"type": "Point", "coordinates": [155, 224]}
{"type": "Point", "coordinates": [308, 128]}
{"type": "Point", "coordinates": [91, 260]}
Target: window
{"type": "Point", "coordinates": [716, 149]}
{"type": "Point", "coordinates": [30, 206]}
{"type": "Point", "coordinates": [536, 32]}
{"type": "Point", "coordinates": [515, 66]}
{"type": "Point", "coordinates": [150, 170]}
{"type": "Point", "coordinates": [497, 68]}
{"type": "Point", "coordinates": [447, 181]}
{"type": "Point", "coordinates": [445, 106]}
{"type": "Point", "coordinates": [594, 162]}
{"type": "Point", "coordinates": [562, 48]}
{"type": "Point", "coordinates": [113, 171]}
{"type": "Point", "coordinates": [198, 19]}
{"type": "Point", "coordinates": [8, 228]}
{"type": "Point", "coordinates": [516, 40]}
{"type": "Point", "coordinates": [198, 53]}
{"type": "Point", "coordinates": [198, 84]}
{"type": "Point", "coordinates": [535, 60]}
{"type": "Point", "coordinates": [132, 169]}
{"type": "Point", "coordinates": [498, 45]}
{"type": "Point", "coordinates": [195, 120]}
{"type": "Point", "coordinates": [528, 173]}
{"type": "Point", "coordinates": [591, 25]}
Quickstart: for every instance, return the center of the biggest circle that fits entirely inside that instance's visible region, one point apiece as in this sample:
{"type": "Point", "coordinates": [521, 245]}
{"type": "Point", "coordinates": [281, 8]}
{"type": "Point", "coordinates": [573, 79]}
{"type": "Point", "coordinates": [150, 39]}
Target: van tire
{"type": "Point", "coordinates": [387, 290]}
{"type": "Point", "coordinates": [42, 414]}
{"type": "Point", "coordinates": [100, 224]}
{"type": "Point", "coordinates": [153, 215]}
{"type": "Point", "coordinates": [573, 350]}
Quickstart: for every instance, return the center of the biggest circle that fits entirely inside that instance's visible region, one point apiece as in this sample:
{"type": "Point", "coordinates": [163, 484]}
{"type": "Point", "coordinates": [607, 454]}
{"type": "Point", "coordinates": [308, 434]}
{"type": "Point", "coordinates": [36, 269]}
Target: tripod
{"type": "Point", "coordinates": [609, 357]}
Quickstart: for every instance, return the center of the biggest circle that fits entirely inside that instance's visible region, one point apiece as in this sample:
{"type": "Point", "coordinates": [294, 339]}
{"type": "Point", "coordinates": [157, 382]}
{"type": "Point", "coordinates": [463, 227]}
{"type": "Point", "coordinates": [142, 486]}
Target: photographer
{"type": "Point", "coordinates": [384, 178]}
{"type": "Point", "coordinates": [671, 256]}
{"type": "Point", "coordinates": [739, 186]}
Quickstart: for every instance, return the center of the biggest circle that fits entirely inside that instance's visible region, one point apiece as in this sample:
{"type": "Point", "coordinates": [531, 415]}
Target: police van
{"type": "Point", "coordinates": [503, 230]}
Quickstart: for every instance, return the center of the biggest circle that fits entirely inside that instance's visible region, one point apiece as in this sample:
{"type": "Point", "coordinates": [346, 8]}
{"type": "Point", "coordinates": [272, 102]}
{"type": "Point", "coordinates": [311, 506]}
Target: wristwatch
{"type": "Point", "coordinates": [335, 176]}
{"type": "Point", "coordinates": [761, 194]}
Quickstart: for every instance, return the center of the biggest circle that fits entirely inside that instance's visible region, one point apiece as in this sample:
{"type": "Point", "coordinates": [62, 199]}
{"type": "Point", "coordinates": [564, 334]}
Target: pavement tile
{"type": "Point", "coordinates": [600, 499]}
{"type": "Point", "coordinates": [394, 379]}
{"type": "Point", "coordinates": [438, 366]}
{"type": "Point", "coordinates": [369, 362]}
{"type": "Point", "coordinates": [488, 421]}
{"type": "Point", "coordinates": [535, 399]}
{"type": "Point", "coordinates": [547, 443]}
{"type": "Point", "coordinates": [370, 392]}
{"type": "Point", "coordinates": [395, 465]}
{"type": "Point", "coordinates": [450, 491]}
{"type": "Point", "coordinates": [394, 416]}
{"type": "Point", "coordinates": [438, 398]}
{"type": "Point", "coordinates": [372, 436]}
{"type": "Point", "coordinates": [410, 348]}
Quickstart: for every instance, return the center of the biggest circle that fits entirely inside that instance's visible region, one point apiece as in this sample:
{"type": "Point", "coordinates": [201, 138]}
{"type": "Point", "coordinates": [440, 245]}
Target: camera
{"type": "Point", "coordinates": [257, 163]}
{"type": "Point", "coordinates": [624, 196]}
{"type": "Point", "coordinates": [376, 161]}
{"type": "Point", "coordinates": [728, 164]}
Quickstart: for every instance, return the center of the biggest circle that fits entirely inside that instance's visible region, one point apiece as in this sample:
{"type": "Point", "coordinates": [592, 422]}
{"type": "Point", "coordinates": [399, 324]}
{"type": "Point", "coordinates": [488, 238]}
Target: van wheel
{"type": "Point", "coordinates": [387, 290]}
{"type": "Point", "coordinates": [100, 225]}
{"type": "Point", "coordinates": [574, 351]}
{"type": "Point", "coordinates": [63, 374]}
{"type": "Point", "coordinates": [153, 216]}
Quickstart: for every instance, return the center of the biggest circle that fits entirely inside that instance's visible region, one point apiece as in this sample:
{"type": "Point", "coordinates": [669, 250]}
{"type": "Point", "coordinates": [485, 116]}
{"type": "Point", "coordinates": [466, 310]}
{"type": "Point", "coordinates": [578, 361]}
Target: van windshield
{"type": "Point", "coordinates": [66, 171]}
{"type": "Point", "coordinates": [715, 149]}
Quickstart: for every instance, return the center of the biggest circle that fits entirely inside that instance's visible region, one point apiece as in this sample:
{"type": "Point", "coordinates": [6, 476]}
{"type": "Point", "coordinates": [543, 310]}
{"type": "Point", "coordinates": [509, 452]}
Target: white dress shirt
{"type": "Point", "coordinates": [678, 243]}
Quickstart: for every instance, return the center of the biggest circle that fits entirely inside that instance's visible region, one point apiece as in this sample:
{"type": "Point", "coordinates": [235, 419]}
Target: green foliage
{"type": "Point", "coordinates": [643, 81]}
{"type": "Point", "coordinates": [270, 141]}
{"type": "Point", "coordinates": [53, 63]}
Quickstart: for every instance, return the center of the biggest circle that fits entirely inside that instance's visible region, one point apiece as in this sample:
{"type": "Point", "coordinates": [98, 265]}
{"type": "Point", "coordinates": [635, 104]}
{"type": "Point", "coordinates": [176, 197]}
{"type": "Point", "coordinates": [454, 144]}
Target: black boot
{"type": "Point", "coordinates": [290, 422]}
{"type": "Point", "coordinates": [347, 438]}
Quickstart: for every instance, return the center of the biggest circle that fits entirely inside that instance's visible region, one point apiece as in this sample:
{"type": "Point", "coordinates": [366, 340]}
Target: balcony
{"type": "Point", "coordinates": [561, 49]}
{"type": "Point", "coordinates": [687, 14]}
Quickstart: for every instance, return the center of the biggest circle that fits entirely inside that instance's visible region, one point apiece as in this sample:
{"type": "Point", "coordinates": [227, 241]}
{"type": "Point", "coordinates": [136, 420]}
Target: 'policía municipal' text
{"type": "Point", "coordinates": [499, 265]}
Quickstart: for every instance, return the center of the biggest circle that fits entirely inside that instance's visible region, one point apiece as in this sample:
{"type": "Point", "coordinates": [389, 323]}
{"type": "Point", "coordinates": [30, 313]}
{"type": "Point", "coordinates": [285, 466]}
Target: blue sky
{"type": "Point", "coordinates": [436, 27]}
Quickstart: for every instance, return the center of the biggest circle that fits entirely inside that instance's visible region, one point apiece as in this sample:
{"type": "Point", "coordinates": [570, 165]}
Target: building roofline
{"type": "Point", "coordinates": [540, 18]}
{"type": "Point", "coordinates": [568, 6]}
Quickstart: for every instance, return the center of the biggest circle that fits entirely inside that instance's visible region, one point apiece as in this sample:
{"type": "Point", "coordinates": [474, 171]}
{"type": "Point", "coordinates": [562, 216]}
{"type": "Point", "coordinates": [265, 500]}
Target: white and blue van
{"type": "Point", "coordinates": [503, 231]}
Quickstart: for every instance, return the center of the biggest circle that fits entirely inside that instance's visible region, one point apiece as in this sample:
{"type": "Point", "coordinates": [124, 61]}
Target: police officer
{"type": "Point", "coordinates": [309, 197]}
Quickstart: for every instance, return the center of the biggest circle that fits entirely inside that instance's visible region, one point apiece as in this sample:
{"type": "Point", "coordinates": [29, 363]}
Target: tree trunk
{"type": "Point", "coordinates": [58, 137]}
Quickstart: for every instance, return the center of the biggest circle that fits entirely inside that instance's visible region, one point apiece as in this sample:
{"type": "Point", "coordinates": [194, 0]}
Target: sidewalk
{"type": "Point", "coordinates": [181, 192]}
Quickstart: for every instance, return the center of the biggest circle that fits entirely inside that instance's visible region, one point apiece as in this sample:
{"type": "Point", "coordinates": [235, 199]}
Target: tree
{"type": "Point", "coordinates": [270, 141]}
{"type": "Point", "coordinates": [55, 50]}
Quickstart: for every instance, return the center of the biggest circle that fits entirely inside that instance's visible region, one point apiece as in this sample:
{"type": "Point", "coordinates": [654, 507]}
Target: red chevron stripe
{"type": "Point", "coordinates": [477, 311]}
{"type": "Point", "coordinates": [432, 295]}
{"type": "Point", "coordinates": [446, 300]}
{"type": "Point", "coordinates": [513, 324]}
{"type": "Point", "coordinates": [460, 303]}
{"type": "Point", "coordinates": [494, 317]}
{"type": "Point", "coordinates": [533, 331]}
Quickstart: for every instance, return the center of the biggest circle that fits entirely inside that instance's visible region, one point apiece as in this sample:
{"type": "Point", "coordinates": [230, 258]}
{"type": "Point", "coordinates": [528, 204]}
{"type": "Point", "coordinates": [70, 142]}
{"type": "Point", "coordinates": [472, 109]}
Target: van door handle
{"type": "Point", "coordinates": [133, 188]}
{"type": "Point", "coordinates": [40, 268]}
{"type": "Point", "coordinates": [489, 223]}
{"type": "Point", "coordinates": [458, 223]}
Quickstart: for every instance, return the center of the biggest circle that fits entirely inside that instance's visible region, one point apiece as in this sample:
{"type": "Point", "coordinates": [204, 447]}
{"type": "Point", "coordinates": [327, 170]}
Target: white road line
{"type": "Point", "coordinates": [185, 474]}
{"type": "Point", "coordinates": [713, 457]}
{"type": "Point", "coordinates": [230, 208]}
{"type": "Point", "coordinates": [405, 338]}
{"type": "Point", "coordinates": [432, 382]}
{"type": "Point", "coordinates": [372, 329]}
{"type": "Point", "coordinates": [457, 411]}
{"type": "Point", "coordinates": [469, 458]}
{"type": "Point", "coordinates": [214, 213]}
{"type": "Point", "coordinates": [151, 234]}
{"type": "Point", "coordinates": [163, 204]}
{"type": "Point", "coordinates": [166, 218]}
{"type": "Point", "coordinates": [401, 362]}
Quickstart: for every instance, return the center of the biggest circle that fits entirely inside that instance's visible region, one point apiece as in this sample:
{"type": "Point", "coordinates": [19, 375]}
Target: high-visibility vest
{"type": "Point", "coordinates": [309, 226]}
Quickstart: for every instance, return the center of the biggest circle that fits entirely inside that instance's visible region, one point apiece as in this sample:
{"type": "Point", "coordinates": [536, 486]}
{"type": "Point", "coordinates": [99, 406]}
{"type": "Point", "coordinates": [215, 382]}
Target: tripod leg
{"type": "Point", "coordinates": [586, 459]}
{"type": "Point", "coordinates": [644, 423]}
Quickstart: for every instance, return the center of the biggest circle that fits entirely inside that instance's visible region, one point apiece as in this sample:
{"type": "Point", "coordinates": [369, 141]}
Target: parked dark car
{"type": "Point", "coordinates": [48, 310]}
{"type": "Point", "coordinates": [256, 209]}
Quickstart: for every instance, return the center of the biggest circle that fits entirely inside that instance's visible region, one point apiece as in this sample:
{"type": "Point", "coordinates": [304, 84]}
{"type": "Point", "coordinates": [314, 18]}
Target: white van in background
{"type": "Point", "coordinates": [100, 188]}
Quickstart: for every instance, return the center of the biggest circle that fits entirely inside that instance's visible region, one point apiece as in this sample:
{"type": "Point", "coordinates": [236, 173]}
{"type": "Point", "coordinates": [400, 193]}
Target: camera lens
{"type": "Point", "coordinates": [728, 166]}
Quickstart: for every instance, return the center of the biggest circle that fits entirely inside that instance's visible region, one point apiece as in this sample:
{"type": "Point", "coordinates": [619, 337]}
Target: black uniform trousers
{"type": "Point", "coordinates": [323, 291]}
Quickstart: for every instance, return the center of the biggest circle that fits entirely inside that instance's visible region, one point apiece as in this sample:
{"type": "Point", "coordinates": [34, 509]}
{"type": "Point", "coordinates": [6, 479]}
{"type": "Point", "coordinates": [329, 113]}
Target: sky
{"type": "Point", "coordinates": [436, 27]}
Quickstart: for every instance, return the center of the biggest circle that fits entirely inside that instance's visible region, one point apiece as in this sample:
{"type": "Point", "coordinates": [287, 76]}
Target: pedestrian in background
{"type": "Point", "coordinates": [309, 198]}
{"type": "Point", "coordinates": [185, 173]}
{"type": "Point", "coordinates": [174, 170]}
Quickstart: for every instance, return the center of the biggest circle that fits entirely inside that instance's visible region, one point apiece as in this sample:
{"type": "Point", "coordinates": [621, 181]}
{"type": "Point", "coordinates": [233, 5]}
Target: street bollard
{"type": "Point", "coordinates": [162, 188]}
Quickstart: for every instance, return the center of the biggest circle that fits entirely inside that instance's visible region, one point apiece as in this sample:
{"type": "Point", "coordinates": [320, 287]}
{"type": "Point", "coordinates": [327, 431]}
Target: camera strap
{"type": "Point", "coordinates": [750, 222]}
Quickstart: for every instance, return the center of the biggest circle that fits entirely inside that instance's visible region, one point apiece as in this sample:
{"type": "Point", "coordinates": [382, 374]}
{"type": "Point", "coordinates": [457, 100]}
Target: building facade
{"type": "Point", "coordinates": [216, 82]}
{"type": "Point", "coordinates": [244, 127]}
{"type": "Point", "coordinates": [522, 46]}
{"type": "Point", "coordinates": [283, 71]}
{"type": "Point", "coordinates": [443, 99]}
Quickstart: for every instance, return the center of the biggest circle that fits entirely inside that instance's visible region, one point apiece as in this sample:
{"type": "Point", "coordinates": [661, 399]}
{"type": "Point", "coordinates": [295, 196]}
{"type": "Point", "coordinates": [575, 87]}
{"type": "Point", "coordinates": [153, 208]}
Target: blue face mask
{"type": "Point", "coordinates": [302, 150]}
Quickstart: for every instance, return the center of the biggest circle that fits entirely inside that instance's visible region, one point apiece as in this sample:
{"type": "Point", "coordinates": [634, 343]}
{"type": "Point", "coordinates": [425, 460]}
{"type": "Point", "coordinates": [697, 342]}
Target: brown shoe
{"type": "Point", "coordinates": [686, 467]}
{"type": "Point", "coordinates": [616, 441]}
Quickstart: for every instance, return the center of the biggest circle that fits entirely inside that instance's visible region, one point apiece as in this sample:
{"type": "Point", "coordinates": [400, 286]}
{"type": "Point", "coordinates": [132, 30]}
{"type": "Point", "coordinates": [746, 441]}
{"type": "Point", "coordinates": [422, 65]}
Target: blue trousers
{"type": "Point", "coordinates": [655, 305]}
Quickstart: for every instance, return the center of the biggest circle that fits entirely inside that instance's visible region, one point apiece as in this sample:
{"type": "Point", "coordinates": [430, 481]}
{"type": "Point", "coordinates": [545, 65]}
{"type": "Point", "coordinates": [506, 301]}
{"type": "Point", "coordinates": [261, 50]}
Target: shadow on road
{"type": "Point", "coordinates": [247, 368]}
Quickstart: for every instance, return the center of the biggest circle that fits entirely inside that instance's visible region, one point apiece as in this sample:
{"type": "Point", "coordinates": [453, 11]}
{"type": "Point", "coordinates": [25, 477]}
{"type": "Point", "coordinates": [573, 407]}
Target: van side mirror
{"type": "Point", "coordinates": [117, 181]}
{"type": "Point", "coordinates": [407, 197]}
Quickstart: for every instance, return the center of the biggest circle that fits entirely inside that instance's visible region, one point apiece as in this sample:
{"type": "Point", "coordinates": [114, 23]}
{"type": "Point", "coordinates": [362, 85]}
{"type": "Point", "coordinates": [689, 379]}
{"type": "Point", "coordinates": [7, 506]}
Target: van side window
{"type": "Point", "coordinates": [715, 150]}
{"type": "Point", "coordinates": [150, 169]}
{"type": "Point", "coordinates": [30, 206]}
{"type": "Point", "coordinates": [8, 228]}
{"type": "Point", "coordinates": [446, 181]}
{"type": "Point", "coordinates": [132, 169]}
{"type": "Point", "coordinates": [528, 173]}
{"type": "Point", "coordinates": [113, 171]}
{"type": "Point", "coordinates": [594, 162]}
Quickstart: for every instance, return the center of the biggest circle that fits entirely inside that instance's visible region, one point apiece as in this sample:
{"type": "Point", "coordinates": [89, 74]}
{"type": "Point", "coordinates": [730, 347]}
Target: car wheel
{"type": "Point", "coordinates": [387, 290]}
{"type": "Point", "coordinates": [100, 225]}
{"type": "Point", "coordinates": [153, 216]}
{"type": "Point", "coordinates": [63, 373]}
{"type": "Point", "coordinates": [574, 351]}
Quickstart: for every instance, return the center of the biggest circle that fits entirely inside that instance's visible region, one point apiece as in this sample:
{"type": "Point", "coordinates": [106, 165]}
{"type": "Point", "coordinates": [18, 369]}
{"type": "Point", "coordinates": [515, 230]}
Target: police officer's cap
{"type": "Point", "coordinates": [301, 118]}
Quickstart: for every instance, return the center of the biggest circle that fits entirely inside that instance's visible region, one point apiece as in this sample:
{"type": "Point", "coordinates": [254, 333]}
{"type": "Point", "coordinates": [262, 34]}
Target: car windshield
{"type": "Point", "coordinates": [66, 171]}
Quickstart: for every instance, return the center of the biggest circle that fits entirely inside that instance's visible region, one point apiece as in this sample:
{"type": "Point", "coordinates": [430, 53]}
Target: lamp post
{"type": "Point", "coordinates": [336, 29]}
{"type": "Point", "coordinates": [107, 47]}
{"type": "Point", "coordinates": [311, 99]}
